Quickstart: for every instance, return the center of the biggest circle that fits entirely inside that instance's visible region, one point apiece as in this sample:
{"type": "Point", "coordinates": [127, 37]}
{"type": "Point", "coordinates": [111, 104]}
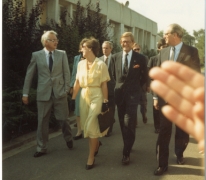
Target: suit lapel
{"type": "Point", "coordinates": [55, 60]}
{"type": "Point", "coordinates": [181, 54]}
{"type": "Point", "coordinates": [43, 59]}
{"type": "Point", "coordinates": [119, 64]}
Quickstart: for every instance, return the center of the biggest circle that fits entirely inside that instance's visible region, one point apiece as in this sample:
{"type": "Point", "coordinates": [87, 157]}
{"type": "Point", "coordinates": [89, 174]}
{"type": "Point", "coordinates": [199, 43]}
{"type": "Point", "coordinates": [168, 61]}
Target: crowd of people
{"type": "Point", "coordinates": [122, 80]}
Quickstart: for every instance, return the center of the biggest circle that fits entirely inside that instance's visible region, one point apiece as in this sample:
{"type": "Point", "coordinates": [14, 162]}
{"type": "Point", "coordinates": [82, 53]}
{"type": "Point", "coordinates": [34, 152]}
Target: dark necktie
{"type": "Point", "coordinates": [50, 61]}
{"type": "Point", "coordinates": [173, 54]}
{"type": "Point", "coordinates": [106, 61]}
{"type": "Point", "coordinates": [125, 69]}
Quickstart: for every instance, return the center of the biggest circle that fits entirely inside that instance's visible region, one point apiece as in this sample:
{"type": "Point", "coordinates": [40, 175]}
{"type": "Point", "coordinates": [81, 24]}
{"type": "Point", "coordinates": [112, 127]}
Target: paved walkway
{"type": "Point", "coordinates": [60, 163]}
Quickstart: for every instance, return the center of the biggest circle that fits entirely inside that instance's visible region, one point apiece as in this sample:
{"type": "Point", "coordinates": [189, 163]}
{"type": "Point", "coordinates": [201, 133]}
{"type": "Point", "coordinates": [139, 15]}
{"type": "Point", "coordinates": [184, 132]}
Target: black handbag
{"type": "Point", "coordinates": [105, 120]}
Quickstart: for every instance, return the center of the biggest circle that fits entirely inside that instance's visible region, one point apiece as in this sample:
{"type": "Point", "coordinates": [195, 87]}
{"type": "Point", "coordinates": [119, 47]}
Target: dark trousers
{"type": "Point", "coordinates": [162, 146]}
{"type": "Point", "coordinates": [143, 103]}
{"type": "Point", "coordinates": [156, 117]}
{"type": "Point", "coordinates": [127, 119]}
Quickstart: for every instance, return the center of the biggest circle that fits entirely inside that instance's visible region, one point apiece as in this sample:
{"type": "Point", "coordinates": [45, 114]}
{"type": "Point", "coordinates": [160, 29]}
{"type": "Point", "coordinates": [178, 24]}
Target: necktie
{"type": "Point", "coordinates": [125, 69]}
{"type": "Point", "coordinates": [106, 61]}
{"type": "Point", "coordinates": [50, 61]}
{"type": "Point", "coordinates": [173, 54]}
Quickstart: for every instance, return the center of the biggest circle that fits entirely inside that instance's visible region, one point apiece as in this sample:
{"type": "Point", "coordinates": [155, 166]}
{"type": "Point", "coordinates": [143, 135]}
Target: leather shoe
{"type": "Point", "coordinates": [77, 137]}
{"type": "Point", "coordinates": [180, 161]}
{"type": "Point", "coordinates": [88, 167]}
{"type": "Point", "coordinates": [38, 154]}
{"type": "Point", "coordinates": [125, 160]}
{"type": "Point", "coordinates": [160, 170]}
{"type": "Point", "coordinates": [70, 144]}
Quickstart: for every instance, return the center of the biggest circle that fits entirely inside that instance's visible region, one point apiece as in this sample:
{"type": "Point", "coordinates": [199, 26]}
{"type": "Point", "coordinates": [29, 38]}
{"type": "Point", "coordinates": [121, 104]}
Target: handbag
{"type": "Point", "coordinates": [105, 120]}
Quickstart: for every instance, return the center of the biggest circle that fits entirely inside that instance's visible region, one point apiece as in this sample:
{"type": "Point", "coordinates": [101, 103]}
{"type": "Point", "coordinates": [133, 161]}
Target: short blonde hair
{"type": "Point", "coordinates": [127, 34]}
{"type": "Point", "coordinates": [45, 36]}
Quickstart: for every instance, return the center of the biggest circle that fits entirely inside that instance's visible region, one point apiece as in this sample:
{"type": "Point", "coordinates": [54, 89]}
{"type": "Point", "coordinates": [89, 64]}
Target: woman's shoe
{"type": "Point", "coordinates": [88, 167]}
{"type": "Point", "coordinates": [98, 148]}
{"type": "Point", "coordinates": [77, 137]}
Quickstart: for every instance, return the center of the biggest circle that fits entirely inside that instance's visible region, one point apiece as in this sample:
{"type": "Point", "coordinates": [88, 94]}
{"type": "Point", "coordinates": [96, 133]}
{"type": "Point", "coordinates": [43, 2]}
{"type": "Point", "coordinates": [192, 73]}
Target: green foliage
{"type": "Point", "coordinates": [188, 39]}
{"type": "Point", "coordinates": [200, 44]}
{"type": "Point", "coordinates": [149, 53]}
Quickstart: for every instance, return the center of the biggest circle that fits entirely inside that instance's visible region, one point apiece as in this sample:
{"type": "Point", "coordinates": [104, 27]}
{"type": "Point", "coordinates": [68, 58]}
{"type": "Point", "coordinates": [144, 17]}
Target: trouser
{"type": "Point", "coordinates": [156, 117]}
{"type": "Point", "coordinates": [162, 146]}
{"type": "Point", "coordinates": [127, 119]}
{"type": "Point", "coordinates": [60, 108]}
{"type": "Point", "coordinates": [112, 109]}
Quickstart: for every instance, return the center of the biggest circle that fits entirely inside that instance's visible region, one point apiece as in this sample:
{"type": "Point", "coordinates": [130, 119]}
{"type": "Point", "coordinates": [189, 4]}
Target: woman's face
{"type": "Point", "coordinates": [85, 50]}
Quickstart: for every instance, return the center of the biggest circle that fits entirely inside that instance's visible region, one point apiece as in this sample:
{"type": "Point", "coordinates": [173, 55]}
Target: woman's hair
{"type": "Point", "coordinates": [93, 44]}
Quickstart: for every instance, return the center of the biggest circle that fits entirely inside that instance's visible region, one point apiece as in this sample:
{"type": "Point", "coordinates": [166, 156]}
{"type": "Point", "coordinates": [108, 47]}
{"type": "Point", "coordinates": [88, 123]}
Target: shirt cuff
{"type": "Point", "coordinates": [155, 97]}
{"type": "Point", "coordinates": [25, 95]}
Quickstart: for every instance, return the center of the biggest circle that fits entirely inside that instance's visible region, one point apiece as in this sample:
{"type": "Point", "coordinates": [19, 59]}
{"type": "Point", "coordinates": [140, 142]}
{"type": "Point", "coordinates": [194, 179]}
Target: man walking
{"type": "Point", "coordinates": [53, 74]}
{"type": "Point", "coordinates": [129, 70]}
{"type": "Point", "coordinates": [187, 55]}
{"type": "Point", "coordinates": [107, 47]}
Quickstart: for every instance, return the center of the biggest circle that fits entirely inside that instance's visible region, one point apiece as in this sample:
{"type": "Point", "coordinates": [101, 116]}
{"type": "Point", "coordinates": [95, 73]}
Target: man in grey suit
{"type": "Point", "coordinates": [187, 55]}
{"type": "Point", "coordinates": [107, 47]}
{"type": "Point", "coordinates": [53, 74]}
{"type": "Point", "coordinates": [129, 70]}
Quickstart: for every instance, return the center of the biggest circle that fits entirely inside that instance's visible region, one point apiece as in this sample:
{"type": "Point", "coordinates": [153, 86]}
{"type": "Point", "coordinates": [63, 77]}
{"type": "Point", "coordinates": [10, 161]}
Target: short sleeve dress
{"type": "Point", "coordinates": [91, 97]}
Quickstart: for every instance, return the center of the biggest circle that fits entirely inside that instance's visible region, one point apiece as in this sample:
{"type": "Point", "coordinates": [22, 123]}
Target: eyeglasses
{"type": "Point", "coordinates": [137, 49]}
{"type": "Point", "coordinates": [53, 40]}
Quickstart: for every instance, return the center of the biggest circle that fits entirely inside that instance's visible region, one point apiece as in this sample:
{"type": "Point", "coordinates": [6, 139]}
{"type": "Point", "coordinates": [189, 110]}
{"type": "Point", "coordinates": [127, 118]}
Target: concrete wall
{"type": "Point", "coordinates": [121, 18]}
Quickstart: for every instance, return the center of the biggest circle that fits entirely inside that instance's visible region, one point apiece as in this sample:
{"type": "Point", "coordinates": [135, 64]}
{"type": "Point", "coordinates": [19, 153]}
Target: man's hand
{"type": "Point", "coordinates": [155, 104]}
{"type": "Point", "coordinates": [71, 90]}
{"type": "Point", "coordinates": [25, 100]}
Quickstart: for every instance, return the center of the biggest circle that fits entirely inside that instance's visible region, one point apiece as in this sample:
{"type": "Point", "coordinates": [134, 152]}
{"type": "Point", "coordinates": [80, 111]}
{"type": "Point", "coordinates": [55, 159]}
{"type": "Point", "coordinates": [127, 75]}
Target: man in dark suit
{"type": "Point", "coordinates": [129, 71]}
{"type": "Point", "coordinates": [187, 55]}
{"type": "Point", "coordinates": [53, 73]}
{"type": "Point", "coordinates": [152, 63]}
{"type": "Point", "coordinates": [107, 47]}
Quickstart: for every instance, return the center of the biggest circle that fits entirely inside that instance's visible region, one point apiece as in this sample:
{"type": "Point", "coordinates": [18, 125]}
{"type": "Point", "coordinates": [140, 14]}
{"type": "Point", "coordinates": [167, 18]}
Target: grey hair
{"type": "Point", "coordinates": [176, 28]}
{"type": "Point", "coordinates": [108, 42]}
{"type": "Point", "coordinates": [45, 36]}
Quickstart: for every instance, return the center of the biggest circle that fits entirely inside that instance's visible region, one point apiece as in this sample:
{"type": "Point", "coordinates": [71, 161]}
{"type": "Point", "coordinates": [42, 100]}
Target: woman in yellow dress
{"type": "Point", "coordinates": [92, 76]}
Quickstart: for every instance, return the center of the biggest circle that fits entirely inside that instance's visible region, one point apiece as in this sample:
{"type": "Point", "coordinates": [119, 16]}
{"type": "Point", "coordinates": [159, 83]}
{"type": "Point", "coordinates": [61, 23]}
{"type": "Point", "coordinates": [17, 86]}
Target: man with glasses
{"type": "Point", "coordinates": [51, 66]}
{"type": "Point", "coordinates": [145, 89]}
{"type": "Point", "coordinates": [129, 70]}
{"type": "Point", "coordinates": [187, 55]}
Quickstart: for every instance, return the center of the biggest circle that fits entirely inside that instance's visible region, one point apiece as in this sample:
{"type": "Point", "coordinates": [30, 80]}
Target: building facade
{"type": "Point", "coordinates": [121, 18]}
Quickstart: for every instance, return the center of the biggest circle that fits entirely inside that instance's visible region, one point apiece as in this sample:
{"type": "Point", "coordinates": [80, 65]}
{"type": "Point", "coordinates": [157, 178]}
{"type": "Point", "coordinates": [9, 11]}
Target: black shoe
{"type": "Point", "coordinates": [88, 167]}
{"type": "Point", "coordinates": [98, 148]}
{"type": "Point", "coordinates": [180, 161]}
{"type": "Point", "coordinates": [144, 120]}
{"type": "Point", "coordinates": [157, 131]}
{"type": "Point", "coordinates": [70, 144]}
{"type": "Point", "coordinates": [160, 170]}
{"type": "Point", "coordinates": [75, 125]}
{"type": "Point", "coordinates": [125, 160]}
{"type": "Point", "coordinates": [77, 137]}
{"type": "Point", "coordinates": [38, 154]}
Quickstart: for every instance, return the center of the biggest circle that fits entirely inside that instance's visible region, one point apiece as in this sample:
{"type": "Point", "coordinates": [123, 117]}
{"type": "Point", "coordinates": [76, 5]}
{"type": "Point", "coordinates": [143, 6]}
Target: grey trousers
{"type": "Point", "coordinates": [61, 112]}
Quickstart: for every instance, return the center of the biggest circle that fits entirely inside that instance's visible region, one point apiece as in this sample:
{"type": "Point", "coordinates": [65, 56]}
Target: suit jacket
{"type": "Point", "coordinates": [153, 61]}
{"type": "Point", "coordinates": [74, 70]}
{"type": "Point", "coordinates": [57, 80]}
{"type": "Point", "coordinates": [188, 56]}
{"type": "Point", "coordinates": [131, 84]}
{"type": "Point", "coordinates": [111, 83]}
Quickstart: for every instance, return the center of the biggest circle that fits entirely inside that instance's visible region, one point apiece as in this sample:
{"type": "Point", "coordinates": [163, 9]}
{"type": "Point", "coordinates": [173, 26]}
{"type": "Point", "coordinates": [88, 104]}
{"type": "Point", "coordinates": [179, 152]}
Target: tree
{"type": "Point", "coordinates": [200, 44]}
{"type": "Point", "coordinates": [188, 39]}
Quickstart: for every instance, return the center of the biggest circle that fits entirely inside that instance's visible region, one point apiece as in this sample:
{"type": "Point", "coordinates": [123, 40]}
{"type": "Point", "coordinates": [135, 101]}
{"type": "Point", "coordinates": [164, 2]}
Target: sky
{"type": "Point", "coordinates": [189, 14]}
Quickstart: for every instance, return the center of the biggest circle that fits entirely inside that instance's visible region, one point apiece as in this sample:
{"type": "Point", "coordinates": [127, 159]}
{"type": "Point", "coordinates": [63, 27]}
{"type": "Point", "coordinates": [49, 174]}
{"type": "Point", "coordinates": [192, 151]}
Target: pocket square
{"type": "Point", "coordinates": [136, 66]}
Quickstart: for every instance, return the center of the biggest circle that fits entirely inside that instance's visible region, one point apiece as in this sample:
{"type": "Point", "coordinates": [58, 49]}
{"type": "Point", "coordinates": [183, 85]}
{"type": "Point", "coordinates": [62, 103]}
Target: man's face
{"type": "Point", "coordinates": [136, 49]}
{"type": "Point", "coordinates": [106, 49]}
{"type": "Point", "coordinates": [51, 42]}
{"type": "Point", "coordinates": [126, 44]}
{"type": "Point", "coordinates": [169, 37]}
